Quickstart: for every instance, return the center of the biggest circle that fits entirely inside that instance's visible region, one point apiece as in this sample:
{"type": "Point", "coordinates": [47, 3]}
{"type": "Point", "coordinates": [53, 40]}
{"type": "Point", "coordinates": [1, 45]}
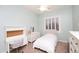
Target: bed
{"type": "Point", "coordinates": [46, 43]}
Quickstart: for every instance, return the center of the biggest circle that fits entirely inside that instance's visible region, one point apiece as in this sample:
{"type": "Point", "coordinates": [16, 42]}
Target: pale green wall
{"type": "Point", "coordinates": [65, 17]}
{"type": "Point", "coordinates": [17, 15]}
{"type": "Point", "coordinates": [75, 15]}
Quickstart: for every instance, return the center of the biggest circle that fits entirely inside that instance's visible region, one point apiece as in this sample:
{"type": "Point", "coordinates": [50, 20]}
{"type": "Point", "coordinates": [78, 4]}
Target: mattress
{"type": "Point", "coordinates": [47, 43]}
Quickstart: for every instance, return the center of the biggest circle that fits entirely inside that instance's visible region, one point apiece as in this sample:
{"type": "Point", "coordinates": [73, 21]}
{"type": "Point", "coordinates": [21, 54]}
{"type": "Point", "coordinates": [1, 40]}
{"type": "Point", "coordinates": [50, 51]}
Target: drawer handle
{"type": "Point", "coordinates": [76, 43]}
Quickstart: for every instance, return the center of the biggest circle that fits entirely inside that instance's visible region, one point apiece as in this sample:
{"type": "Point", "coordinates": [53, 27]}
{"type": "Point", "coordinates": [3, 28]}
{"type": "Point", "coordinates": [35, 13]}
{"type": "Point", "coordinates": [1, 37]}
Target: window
{"type": "Point", "coordinates": [52, 23]}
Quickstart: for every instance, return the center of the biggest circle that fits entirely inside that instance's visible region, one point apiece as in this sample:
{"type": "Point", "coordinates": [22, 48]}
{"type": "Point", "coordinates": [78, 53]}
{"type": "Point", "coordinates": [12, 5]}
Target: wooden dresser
{"type": "Point", "coordinates": [74, 42]}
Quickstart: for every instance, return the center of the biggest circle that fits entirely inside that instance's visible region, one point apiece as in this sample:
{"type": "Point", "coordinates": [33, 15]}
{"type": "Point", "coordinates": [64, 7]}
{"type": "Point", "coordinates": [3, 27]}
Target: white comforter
{"type": "Point", "coordinates": [47, 43]}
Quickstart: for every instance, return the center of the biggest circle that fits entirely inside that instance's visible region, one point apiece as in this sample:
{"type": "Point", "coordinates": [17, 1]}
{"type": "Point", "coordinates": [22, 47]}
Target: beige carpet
{"type": "Point", "coordinates": [60, 48]}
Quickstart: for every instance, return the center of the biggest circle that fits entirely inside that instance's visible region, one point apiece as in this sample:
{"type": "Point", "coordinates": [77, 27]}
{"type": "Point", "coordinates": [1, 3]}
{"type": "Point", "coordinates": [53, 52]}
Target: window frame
{"type": "Point", "coordinates": [56, 23]}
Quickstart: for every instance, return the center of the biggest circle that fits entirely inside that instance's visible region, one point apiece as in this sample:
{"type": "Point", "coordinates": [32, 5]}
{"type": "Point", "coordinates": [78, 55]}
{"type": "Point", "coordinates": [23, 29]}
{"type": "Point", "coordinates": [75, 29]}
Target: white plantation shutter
{"type": "Point", "coordinates": [52, 23]}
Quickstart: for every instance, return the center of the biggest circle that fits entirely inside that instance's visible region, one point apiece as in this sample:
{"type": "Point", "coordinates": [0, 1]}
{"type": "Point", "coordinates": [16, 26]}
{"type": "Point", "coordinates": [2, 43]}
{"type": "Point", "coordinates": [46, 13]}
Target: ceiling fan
{"type": "Point", "coordinates": [43, 8]}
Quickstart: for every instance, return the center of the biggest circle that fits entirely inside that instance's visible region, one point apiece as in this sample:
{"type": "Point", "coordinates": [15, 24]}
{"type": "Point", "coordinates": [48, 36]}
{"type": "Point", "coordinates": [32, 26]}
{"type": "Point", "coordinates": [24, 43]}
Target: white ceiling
{"type": "Point", "coordinates": [35, 8]}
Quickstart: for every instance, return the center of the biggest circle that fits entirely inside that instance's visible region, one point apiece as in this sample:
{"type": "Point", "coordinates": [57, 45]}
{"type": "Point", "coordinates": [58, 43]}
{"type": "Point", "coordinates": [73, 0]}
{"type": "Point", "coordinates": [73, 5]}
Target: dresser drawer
{"type": "Point", "coordinates": [71, 49]}
{"type": "Point", "coordinates": [77, 50]}
{"type": "Point", "coordinates": [75, 42]}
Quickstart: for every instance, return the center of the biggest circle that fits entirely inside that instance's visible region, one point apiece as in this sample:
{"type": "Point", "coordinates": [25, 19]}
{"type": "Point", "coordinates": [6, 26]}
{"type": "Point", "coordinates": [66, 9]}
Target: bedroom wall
{"type": "Point", "coordinates": [65, 17]}
{"type": "Point", "coordinates": [75, 15]}
{"type": "Point", "coordinates": [16, 16]}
